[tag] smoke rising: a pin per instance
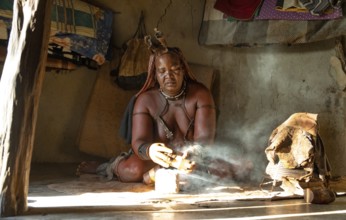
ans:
(238, 159)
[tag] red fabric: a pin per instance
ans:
(238, 9)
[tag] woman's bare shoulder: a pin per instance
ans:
(197, 89)
(147, 95)
(145, 99)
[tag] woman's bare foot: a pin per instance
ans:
(87, 167)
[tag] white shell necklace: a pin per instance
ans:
(176, 97)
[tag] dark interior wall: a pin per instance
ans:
(256, 88)
(63, 101)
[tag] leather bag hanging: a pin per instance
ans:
(133, 66)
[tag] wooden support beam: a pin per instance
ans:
(20, 89)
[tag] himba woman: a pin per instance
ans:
(170, 112)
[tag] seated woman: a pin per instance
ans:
(171, 111)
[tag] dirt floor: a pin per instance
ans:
(55, 192)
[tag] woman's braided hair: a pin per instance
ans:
(158, 47)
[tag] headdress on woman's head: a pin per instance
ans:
(157, 47)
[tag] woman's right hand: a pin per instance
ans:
(159, 153)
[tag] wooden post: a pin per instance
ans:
(20, 89)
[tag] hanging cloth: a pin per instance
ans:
(238, 9)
